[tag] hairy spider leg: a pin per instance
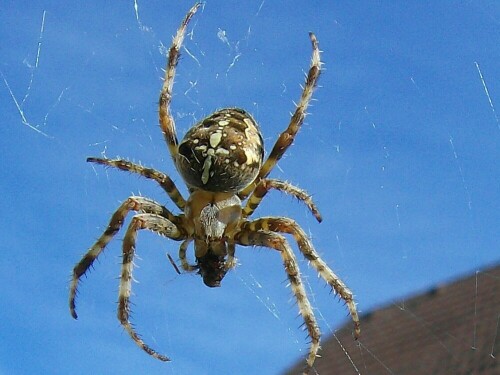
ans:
(162, 179)
(263, 188)
(289, 226)
(231, 261)
(167, 122)
(248, 237)
(182, 256)
(138, 204)
(286, 138)
(155, 223)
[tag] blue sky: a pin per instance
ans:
(400, 152)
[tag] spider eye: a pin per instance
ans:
(221, 153)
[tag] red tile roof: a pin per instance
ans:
(453, 329)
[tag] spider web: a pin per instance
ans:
(400, 153)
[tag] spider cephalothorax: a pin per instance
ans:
(221, 160)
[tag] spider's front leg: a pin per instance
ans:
(138, 204)
(286, 225)
(162, 226)
(248, 237)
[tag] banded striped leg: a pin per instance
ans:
(286, 225)
(263, 188)
(231, 261)
(138, 204)
(186, 266)
(155, 223)
(286, 138)
(182, 256)
(248, 237)
(167, 123)
(162, 179)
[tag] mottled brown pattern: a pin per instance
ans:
(230, 138)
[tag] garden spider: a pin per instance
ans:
(221, 159)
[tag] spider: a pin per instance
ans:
(221, 160)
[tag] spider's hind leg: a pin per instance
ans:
(167, 122)
(286, 138)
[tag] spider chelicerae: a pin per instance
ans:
(221, 160)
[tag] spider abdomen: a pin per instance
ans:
(221, 153)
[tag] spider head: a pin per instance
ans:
(221, 153)
(212, 268)
(211, 261)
